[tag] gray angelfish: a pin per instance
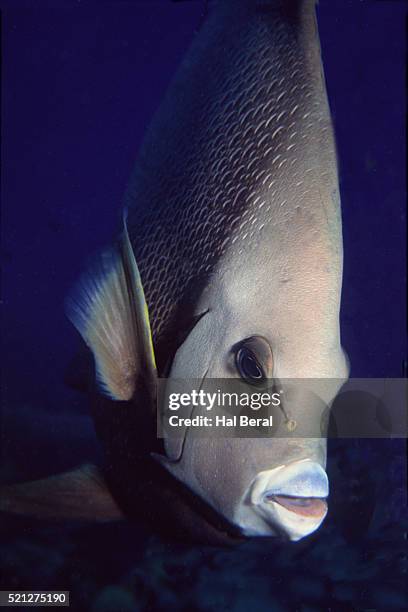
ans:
(233, 217)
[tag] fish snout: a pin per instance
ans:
(290, 499)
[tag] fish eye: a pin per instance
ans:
(254, 360)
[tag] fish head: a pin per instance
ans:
(265, 486)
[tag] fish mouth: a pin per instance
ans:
(293, 497)
(304, 506)
(289, 500)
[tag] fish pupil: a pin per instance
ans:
(248, 366)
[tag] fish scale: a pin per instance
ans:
(220, 135)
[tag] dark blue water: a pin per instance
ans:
(80, 83)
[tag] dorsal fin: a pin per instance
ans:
(110, 312)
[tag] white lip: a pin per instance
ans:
(301, 479)
(265, 516)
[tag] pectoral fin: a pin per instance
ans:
(110, 312)
(81, 494)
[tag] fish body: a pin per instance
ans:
(237, 184)
(238, 165)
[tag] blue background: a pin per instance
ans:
(80, 83)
